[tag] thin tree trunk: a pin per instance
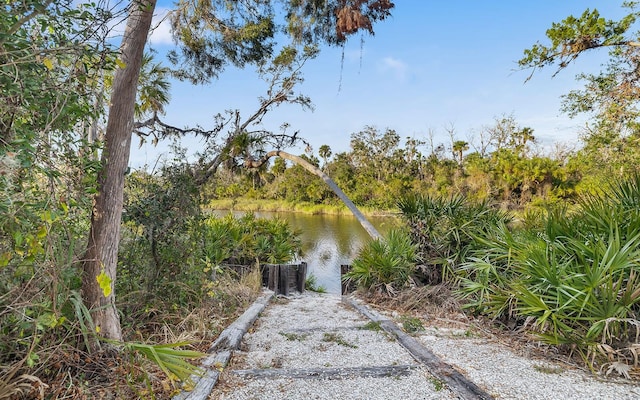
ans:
(371, 230)
(104, 235)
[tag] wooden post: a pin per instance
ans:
(274, 278)
(293, 277)
(302, 276)
(347, 286)
(264, 273)
(284, 279)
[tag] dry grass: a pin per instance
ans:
(66, 372)
(433, 300)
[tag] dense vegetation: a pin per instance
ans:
(172, 286)
(568, 276)
(565, 257)
(572, 275)
(503, 165)
(76, 226)
(544, 244)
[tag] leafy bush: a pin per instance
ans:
(246, 240)
(169, 250)
(386, 264)
(576, 275)
(445, 229)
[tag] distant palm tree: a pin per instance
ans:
(325, 153)
(522, 138)
(460, 146)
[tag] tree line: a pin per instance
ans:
(503, 163)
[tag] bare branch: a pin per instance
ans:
(160, 130)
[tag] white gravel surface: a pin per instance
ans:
(507, 375)
(412, 387)
(304, 334)
(318, 331)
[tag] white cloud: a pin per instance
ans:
(161, 27)
(398, 68)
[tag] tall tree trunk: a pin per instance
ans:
(371, 230)
(104, 235)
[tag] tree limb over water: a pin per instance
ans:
(371, 230)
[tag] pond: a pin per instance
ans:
(328, 241)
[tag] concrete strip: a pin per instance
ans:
(231, 337)
(204, 384)
(441, 370)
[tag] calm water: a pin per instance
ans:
(329, 241)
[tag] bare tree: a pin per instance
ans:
(480, 142)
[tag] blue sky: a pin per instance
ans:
(432, 66)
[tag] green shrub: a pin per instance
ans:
(170, 250)
(386, 263)
(311, 284)
(576, 275)
(247, 239)
(445, 229)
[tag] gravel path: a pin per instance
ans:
(315, 347)
(507, 375)
(317, 331)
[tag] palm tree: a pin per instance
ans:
(459, 146)
(522, 138)
(325, 153)
(153, 88)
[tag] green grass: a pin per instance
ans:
(372, 326)
(282, 206)
(338, 339)
(411, 325)
(311, 284)
(438, 385)
(548, 369)
(294, 336)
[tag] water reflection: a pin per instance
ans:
(328, 241)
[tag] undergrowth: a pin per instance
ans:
(47, 332)
(570, 278)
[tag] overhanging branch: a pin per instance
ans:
(371, 230)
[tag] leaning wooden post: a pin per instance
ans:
(371, 230)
